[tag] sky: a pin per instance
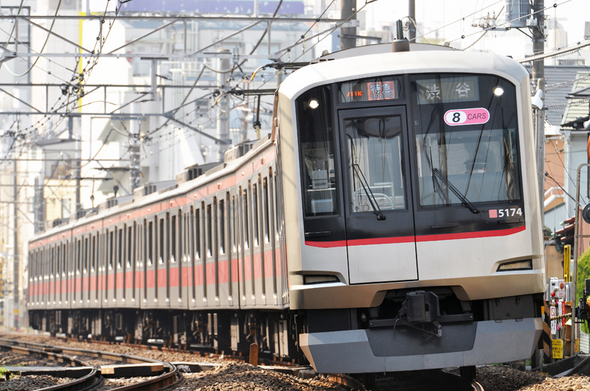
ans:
(454, 18)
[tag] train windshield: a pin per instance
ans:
(374, 146)
(317, 153)
(466, 140)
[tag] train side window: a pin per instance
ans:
(276, 200)
(161, 242)
(230, 231)
(93, 253)
(78, 256)
(317, 140)
(209, 231)
(222, 226)
(52, 273)
(234, 235)
(215, 243)
(266, 209)
(192, 248)
(204, 258)
(58, 261)
(110, 250)
(173, 242)
(185, 235)
(86, 249)
(68, 262)
(246, 222)
(181, 249)
(181, 252)
(150, 243)
(197, 233)
(64, 256)
(129, 246)
(255, 227)
(120, 249)
(146, 256)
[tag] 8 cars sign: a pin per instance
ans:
(462, 117)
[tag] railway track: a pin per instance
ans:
(109, 364)
(85, 375)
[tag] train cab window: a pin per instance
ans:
(374, 161)
(467, 146)
(317, 150)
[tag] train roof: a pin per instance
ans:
(357, 64)
(188, 180)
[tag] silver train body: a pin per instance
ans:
(390, 222)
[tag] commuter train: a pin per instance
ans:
(390, 221)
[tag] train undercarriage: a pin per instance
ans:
(225, 331)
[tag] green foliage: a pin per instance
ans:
(583, 274)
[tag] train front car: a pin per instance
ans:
(416, 241)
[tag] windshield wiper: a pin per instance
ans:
(368, 191)
(464, 201)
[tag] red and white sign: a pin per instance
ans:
(463, 117)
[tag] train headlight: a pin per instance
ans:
(307, 280)
(314, 104)
(498, 91)
(527, 264)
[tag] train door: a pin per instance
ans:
(380, 235)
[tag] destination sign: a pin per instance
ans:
(368, 90)
(448, 90)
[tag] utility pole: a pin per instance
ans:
(134, 157)
(412, 26)
(77, 163)
(223, 67)
(538, 77)
(15, 247)
(348, 34)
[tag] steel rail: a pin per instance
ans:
(86, 382)
(169, 377)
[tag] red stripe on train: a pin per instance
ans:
(410, 239)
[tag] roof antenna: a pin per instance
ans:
(400, 44)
